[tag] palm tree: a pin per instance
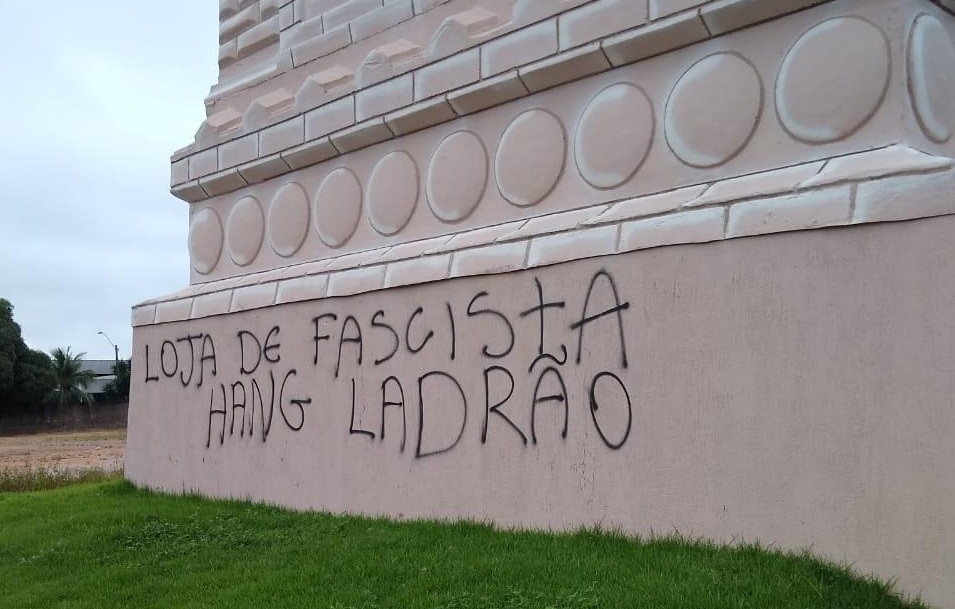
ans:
(71, 379)
(118, 388)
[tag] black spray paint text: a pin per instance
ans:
(377, 353)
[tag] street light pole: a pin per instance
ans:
(115, 348)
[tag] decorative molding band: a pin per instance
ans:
(888, 184)
(697, 116)
(401, 88)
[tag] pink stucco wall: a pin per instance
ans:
(794, 389)
(441, 267)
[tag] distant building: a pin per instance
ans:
(102, 370)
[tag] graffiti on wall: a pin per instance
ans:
(408, 373)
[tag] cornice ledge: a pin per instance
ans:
(887, 184)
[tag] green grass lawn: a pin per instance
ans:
(108, 544)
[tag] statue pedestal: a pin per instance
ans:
(555, 263)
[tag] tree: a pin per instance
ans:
(9, 341)
(118, 388)
(34, 382)
(26, 377)
(71, 379)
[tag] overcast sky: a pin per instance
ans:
(96, 95)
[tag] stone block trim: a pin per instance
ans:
(384, 98)
(215, 303)
(904, 198)
(566, 67)
(248, 27)
(519, 48)
(694, 226)
(576, 39)
(813, 209)
(659, 37)
(447, 74)
(500, 258)
(873, 186)
(730, 15)
(378, 120)
(598, 19)
(618, 135)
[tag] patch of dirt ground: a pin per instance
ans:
(67, 451)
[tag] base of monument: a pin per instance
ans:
(793, 389)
